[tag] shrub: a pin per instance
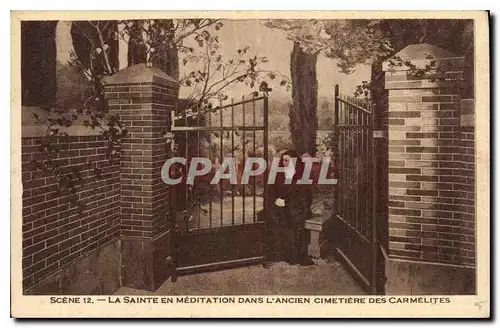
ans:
(73, 88)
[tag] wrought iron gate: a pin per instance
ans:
(219, 226)
(355, 211)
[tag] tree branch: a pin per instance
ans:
(105, 54)
(227, 83)
(181, 37)
(207, 78)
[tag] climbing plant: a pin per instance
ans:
(90, 112)
(433, 71)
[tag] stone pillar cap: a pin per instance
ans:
(140, 73)
(420, 55)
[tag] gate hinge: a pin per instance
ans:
(379, 134)
(168, 135)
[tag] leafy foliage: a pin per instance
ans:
(350, 41)
(72, 86)
(196, 45)
(452, 34)
(214, 76)
(158, 35)
(433, 71)
(354, 42)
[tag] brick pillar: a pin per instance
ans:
(426, 163)
(467, 199)
(143, 98)
(428, 221)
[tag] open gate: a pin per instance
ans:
(355, 208)
(220, 226)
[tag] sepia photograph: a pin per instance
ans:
(296, 159)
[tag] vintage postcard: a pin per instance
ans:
(250, 164)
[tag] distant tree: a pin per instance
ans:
(278, 115)
(38, 63)
(95, 55)
(325, 114)
(73, 88)
(351, 42)
(454, 35)
(159, 41)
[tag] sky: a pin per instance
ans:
(263, 41)
(273, 44)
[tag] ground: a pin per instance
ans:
(327, 277)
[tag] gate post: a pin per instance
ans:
(380, 172)
(428, 226)
(143, 98)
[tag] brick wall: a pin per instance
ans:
(431, 186)
(128, 203)
(54, 233)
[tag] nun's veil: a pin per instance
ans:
(299, 164)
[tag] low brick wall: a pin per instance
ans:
(119, 236)
(55, 234)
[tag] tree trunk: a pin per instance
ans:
(468, 43)
(136, 52)
(81, 31)
(38, 63)
(168, 62)
(379, 97)
(303, 111)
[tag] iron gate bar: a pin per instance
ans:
(345, 100)
(217, 129)
(243, 102)
(222, 159)
(361, 169)
(346, 155)
(351, 127)
(220, 128)
(186, 150)
(346, 158)
(355, 193)
(350, 154)
(351, 122)
(232, 147)
(210, 150)
(193, 113)
(210, 245)
(253, 154)
(222, 265)
(374, 234)
(266, 152)
(349, 160)
(197, 190)
(335, 148)
(356, 141)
